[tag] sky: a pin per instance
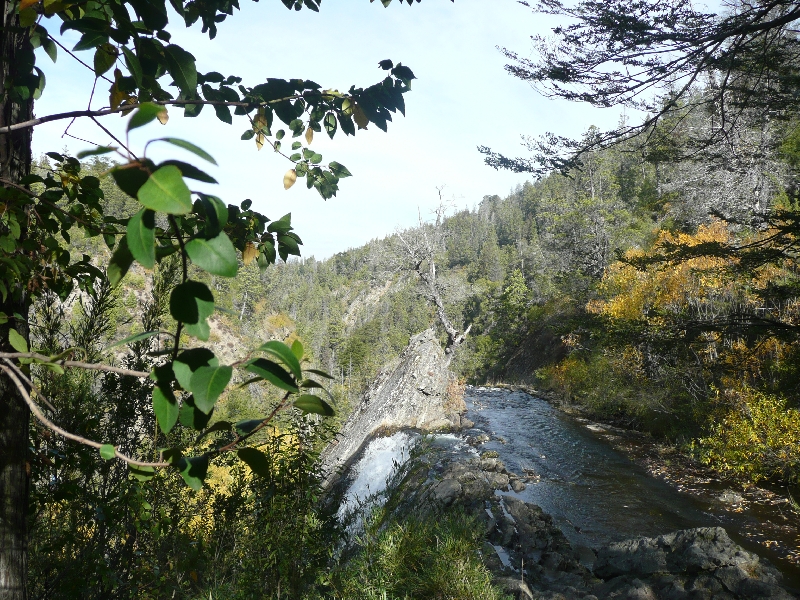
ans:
(462, 98)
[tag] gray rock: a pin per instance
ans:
(702, 563)
(446, 491)
(498, 481)
(411, 392)
(691, 550)
(517, 485)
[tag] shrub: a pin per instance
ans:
(757, 436)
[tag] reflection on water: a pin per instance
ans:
(596, 494)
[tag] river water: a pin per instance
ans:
(597, 495)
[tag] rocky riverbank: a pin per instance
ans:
(531, 558)
(780, 514)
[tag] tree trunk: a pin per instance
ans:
(15, 163)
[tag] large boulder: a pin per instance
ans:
(693, 563)
(411, 392)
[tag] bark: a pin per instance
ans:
(15, 162)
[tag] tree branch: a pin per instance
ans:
(126, 107)
(75, 363)
(13, 373)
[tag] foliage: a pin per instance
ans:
(735, 66)
(434, 557)
(755, 435)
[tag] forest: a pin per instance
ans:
(172, 366)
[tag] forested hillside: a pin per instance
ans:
(653, 290)
(172, 364)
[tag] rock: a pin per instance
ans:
(702, 563)
(409, 393)
(516, 588)
(466, 423)
(446, 491)
(498, 481)
(517, 485)
(730, 497)
(690, 550)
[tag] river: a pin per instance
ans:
(597, 494)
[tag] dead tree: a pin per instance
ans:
(417, 252)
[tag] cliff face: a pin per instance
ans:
(411, 392)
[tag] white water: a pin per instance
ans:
(380, 461)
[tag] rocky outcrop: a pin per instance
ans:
(532, 558)
(702, 563)
(411, 392)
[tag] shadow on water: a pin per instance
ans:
(596, 494)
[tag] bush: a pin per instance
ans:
(757, 436)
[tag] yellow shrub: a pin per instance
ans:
(757, 436)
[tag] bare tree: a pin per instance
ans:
(417, 250)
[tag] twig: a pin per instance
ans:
(79, 60)
(75, 363)
(126, 107)
(12, 371)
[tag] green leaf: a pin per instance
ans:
(90, 39)
(141, 235)
(141, 473)
(146, 113)
(107, 451)
(166, 191)
(284, 354)
(17, 341)
(188, 146)
(192, 303)
(216, 214)
(134, 66)
(207, 384)
(218, 426)
(189, 361)
(256, 460)
(121, 261)
(190, 171)
(165, 407)
(3, 318)
(282, 225)
(181, 65)
(245, 427)
(320, 373)
(193, 470)
(339, 170)
(314, 404)
(330, 124)
(49, 47)
(51, 367)
(216, 256)
(131, 177)
(273, 373)
(136, 337)
(297, 350)
(104, 58)
(193, 417)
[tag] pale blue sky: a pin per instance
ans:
(462, 98)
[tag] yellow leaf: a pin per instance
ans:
(115, 96)
(26, 3)
(289, 179)
(259, 140)
(250, 252)
(309, 136)
(260, 121)
(360, 117)
(163, 116)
